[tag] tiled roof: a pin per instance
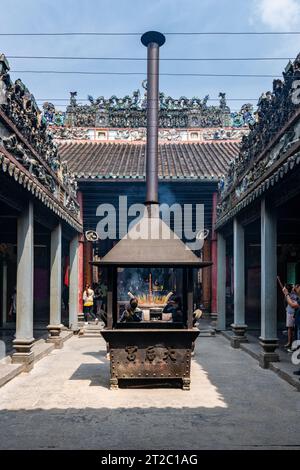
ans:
(127, 160)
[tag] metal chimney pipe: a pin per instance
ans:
(152, 40)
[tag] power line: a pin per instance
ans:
(185, 59)
(145, 74)
(194, 33)
(87, 100)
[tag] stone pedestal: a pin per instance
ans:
(238, 335)
(24, 354)
(268, 353)
(54, 336)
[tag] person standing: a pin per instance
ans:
(290, 317)
(97, 301)
(13, 305)
(88, 303)
(295, 304)
(103, 294)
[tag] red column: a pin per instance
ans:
(87, 259)
(206, 276)
(80, 257)
(214, 256)
(80, 274)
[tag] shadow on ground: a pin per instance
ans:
(233, 404)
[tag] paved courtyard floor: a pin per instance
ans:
(65, 403)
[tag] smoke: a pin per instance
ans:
(166, 196)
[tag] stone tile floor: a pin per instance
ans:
(65, 403)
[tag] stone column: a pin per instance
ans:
(4, 292)
(25, 270)
(214, 258)
(80, 275)
(268, 338)
(73, 285)
(190, 297)
(238, 327)
(221, 283)
(54, 327)
(110, 299)
(87, 267)
(80, 260)
(206, 277)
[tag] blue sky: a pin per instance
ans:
(141, 15)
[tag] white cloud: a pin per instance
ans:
(280, 15)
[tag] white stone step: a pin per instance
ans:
(9, 372)
(66, 334)
(41, 350)
(89, 334)
(90, 331)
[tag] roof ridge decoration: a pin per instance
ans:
(130, 112)
(273, 135)
(23, 178)
(29, 141)
(138, 135)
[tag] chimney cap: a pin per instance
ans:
(153, 36)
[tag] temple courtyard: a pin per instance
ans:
(65, 403)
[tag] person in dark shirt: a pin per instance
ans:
(174, 307)
(132, 313)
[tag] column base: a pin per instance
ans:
(54, 336)
(80, 316)
(268, 353)
(238, 335)
(24, 354)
